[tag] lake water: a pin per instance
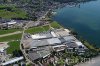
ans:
(84, 18)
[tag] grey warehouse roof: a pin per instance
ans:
(69, 38)
(36, 43)
(33, 55)
(45, 42)
(54, 41)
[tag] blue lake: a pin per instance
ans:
(84, 18)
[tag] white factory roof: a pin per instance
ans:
(42, 35)
(13, 60)
(61, 32)
(12, 22)
(53, 34)
(37, 36)
(58, 46)
(67, 30)
(79, 43)
(1, 50)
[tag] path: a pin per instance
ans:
(17, 32)
(25, 28)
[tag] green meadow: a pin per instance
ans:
(11, 37)
(9, 12)
(14, 45)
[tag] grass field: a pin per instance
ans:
(46, 27)
(55, 25)
(11, 12)
(11, 37)
(35, 30)
(8, 31)
(14, 45)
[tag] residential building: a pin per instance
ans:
(3, 54)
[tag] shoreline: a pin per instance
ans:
(94, 60)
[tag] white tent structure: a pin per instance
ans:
(13, 60)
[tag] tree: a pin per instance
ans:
(17, 53)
